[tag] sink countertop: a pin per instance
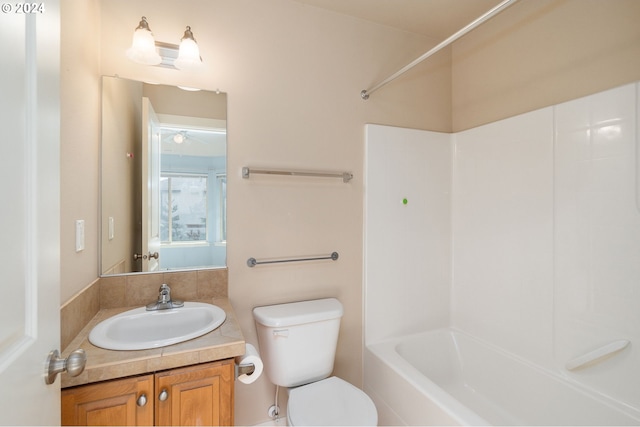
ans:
(224, 342)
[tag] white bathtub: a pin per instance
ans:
(448, 377)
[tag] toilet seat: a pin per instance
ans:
(331, 401)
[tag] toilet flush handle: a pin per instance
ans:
(281, 333)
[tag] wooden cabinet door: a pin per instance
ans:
(109, 403)
(200, 395)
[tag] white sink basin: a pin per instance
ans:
(140, 329)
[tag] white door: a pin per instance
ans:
(29, 212)
(150, 187)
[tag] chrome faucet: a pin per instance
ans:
(164, 300)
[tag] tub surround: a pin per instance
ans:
(541, 226)
(109, 296)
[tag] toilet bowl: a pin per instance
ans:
(330, 402)
(298, 342)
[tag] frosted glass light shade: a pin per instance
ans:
(189, 53)
(143, 47)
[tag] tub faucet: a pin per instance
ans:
(164, 300)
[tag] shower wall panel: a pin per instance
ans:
(597, 239)
(407, 230)
(502, 233)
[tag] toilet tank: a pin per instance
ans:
(298, 340)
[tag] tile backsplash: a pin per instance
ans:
(136, 290)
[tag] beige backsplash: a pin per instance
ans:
(136, 290)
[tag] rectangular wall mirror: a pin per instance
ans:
(163, 178)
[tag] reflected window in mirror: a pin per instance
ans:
(183, 208)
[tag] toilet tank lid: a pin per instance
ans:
(297, 313)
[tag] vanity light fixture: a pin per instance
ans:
(145, 50)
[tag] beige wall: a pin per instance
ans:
(79, 136)
(293, 75)
(543, 52)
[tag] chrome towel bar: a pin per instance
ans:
(346, 176)
(252, 262)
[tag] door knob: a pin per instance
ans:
(72, 365)
(139, 256)
(155, 255)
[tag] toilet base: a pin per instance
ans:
(328, 402)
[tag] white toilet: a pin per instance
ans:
(297, 344)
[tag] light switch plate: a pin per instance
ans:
(112, 232)
(79, 235)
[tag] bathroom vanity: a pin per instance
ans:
(182, 384)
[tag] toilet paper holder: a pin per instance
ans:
(245, 369)
(249, 366)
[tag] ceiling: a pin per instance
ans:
(433, 18)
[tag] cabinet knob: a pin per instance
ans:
(164, 395)
(142, 400)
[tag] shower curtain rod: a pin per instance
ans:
(497, 9)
